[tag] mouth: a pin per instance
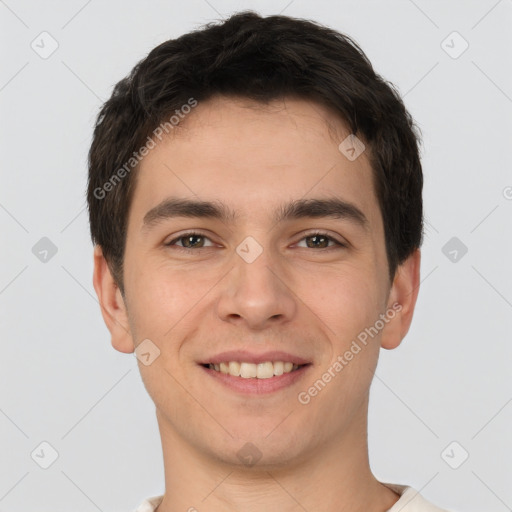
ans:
(247, 378)
(246, 370)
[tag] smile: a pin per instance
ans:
(265, 370)
(255, 378)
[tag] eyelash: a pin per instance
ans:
(308, 235)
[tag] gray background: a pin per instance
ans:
(63, 383)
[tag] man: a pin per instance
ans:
(255, 204)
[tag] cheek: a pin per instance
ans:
(159, 306)
(167, 299)
(347, 300)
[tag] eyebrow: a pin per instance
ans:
(301, 208)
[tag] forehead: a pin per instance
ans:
(254, 157)
(222, 122)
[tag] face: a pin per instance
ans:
(266, 282)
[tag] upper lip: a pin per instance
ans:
(251, 357)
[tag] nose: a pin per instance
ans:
(258, 294)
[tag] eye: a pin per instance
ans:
(189, 241)
(319, 239)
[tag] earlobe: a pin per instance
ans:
(113, 308)
(402, 300)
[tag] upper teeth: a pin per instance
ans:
(261, 371)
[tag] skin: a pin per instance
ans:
(306, 300)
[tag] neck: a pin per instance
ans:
(335, 477)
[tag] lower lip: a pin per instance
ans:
(258, 386)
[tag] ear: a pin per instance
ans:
(402, 300)
(112, 304)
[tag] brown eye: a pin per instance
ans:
(189, 241)
(321, 241)
(318, 241)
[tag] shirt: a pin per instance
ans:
(410, 501)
